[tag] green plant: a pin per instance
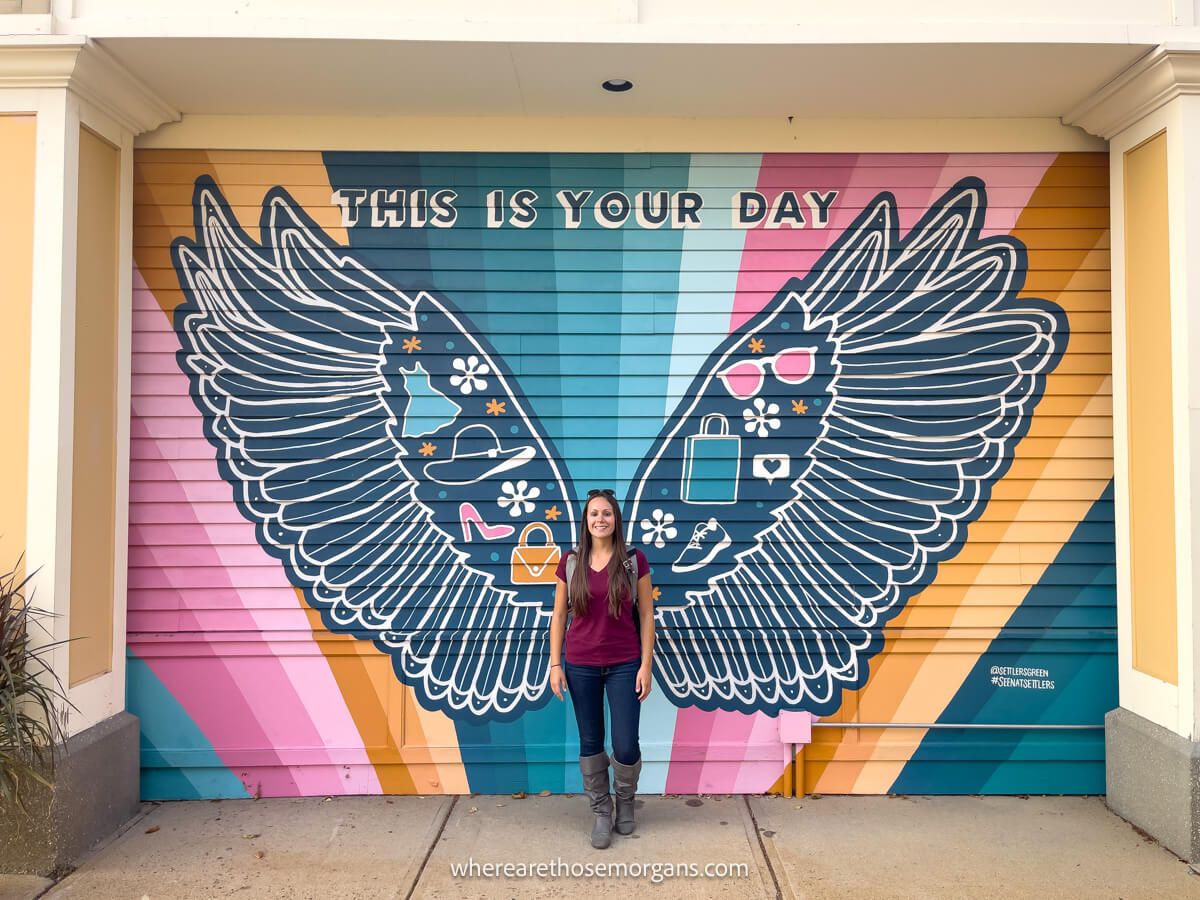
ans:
(32, 699)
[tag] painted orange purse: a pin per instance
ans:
(535, 563)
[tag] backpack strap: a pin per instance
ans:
(572, 561)
(631, 569)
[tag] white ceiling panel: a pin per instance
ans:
(218, 76)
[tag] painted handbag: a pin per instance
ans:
(711, 461)
(535, 563)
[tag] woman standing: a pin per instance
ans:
(609, 649)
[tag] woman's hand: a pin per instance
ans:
(643, 681)
(558, 681)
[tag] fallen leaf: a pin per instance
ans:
(544, 794)
(251, 837)
(260, 854)
(499, 804)
(519, 795)
(473, 809)
(152, 829)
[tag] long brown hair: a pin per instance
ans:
(578, 594)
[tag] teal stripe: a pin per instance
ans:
(166, 729)
(474, 265)
(588, 261)
(682, 323)
(702, 291)
(1068, 629)
(645, 312)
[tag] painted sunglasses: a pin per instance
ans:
(793, 365)
(596, 492)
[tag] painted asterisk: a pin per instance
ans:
(798, 407)
(427, 449)
(410, 344)
(756, 345)
(495, 407)
(553, 513)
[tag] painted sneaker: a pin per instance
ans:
(708, 539)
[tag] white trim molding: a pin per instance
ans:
(88, 71)
(1167, 72)
(1173, 706)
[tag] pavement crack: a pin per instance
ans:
(432, 846)
(779, 895)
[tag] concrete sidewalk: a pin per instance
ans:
(831, 847)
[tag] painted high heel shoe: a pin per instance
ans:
(468, 515)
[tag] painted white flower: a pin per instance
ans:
(761, 417)
(518, 499)
(659, 528)
(472, 371)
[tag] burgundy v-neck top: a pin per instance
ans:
(596, 638)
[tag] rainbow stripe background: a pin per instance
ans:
(241, 691)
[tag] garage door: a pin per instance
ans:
(856, 408)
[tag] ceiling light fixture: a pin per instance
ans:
(617, 85)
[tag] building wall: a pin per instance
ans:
(18, 143)
(1151, 472)
(919, 509)
(94, 467)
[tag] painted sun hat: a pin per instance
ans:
(476, 454)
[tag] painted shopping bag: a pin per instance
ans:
(535, 563)
(711, 462)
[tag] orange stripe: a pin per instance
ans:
(422, 757)
(915, 677)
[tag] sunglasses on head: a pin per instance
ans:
(596, 492)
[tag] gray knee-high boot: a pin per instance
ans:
(625, 779)
(595, 785)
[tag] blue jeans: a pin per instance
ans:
(587, 686)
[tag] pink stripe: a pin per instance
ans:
(283, 696)
(1009, 186)
(731, 733)
(759, 278)
(754, 779)
(916, 180)
(232, 699)
(693, 730)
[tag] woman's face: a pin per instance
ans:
(599, 517)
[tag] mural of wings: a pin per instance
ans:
(829, 454)
(832, 451)
(362, 430)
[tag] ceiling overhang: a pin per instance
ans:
(330, 77)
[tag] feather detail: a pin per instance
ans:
(294, 354)
(928, 370)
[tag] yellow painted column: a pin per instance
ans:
(1150, 469)
(18, 135)
(1151, 116)
(94, 446)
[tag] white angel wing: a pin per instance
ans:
(350, 420)
(832, 452)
